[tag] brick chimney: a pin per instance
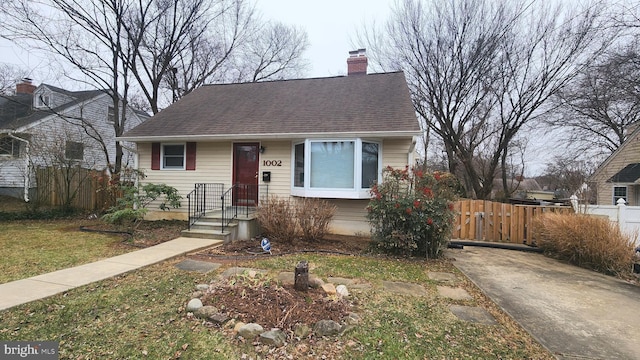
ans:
(25, 87)
(357, 62)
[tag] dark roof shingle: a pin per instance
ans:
(366, 103)
(629, 174)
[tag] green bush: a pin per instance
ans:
(131, 208)
(411, 212)
(586, 241)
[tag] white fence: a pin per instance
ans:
(627, 217)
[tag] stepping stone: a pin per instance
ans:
(473, 314)
(199, 266)
(234, 271)
(443, 277)
(453, 293)
(403, 288)
(340, 281)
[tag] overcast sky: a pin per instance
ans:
(330, 25)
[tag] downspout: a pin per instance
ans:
(27, 173)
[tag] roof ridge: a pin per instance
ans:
(303, 79)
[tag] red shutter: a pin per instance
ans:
(191, 156)
(155, 156)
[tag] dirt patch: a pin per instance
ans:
(274, 306)
(11, 204)
(147, 233)
(248, 249)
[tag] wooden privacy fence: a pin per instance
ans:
(76, 187)
(497, 222)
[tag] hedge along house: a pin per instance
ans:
(234, 144)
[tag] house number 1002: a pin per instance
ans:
(272, 163)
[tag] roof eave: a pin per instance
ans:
(273, 136)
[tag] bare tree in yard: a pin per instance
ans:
(185, 40)
(89, 35)
(480, 72)
(602, 106)
(10, 75)
(273, 52)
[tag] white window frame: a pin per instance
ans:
(184, 156)
(356, 192)
(625, 197)
(42, 100)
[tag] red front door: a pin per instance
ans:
(245, 173)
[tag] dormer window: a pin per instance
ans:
(42, 100)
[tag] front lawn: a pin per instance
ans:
(141, 315)
(34, 247)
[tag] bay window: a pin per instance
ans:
(344, 168)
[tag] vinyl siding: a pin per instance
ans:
(628, 154)
(214, 164)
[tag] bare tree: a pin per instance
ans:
(10, 75)
(482, 71)
(600, 108)
(89, 35)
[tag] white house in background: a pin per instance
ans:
(618, 177)
(324, 138)
(41, 125)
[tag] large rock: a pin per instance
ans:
(327, 328)
(329, 289)
(273, 337)
(205, 312)
(315, 282)
(301, 331)
(193, 305)
(342, 291)
(250, 331)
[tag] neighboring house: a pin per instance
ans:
(43, 126)
(321, 138)
(619, 175)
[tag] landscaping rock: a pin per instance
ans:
(250, 331)
(193, 305)
(234, 271)
(219, 318)
(197, 294)
(327, 328)
(302, 331)
(315, 282)
(238, 325)
(342, 291)
(199, 266)
(286, 277)
(352, 319)
(403, 288)
(273, 337)
(329, 289)
(202, 287)
(442, 277)
(205, 312)
(340, 281)
(473, 314)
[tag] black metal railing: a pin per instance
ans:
(204, 197)
(241, 199)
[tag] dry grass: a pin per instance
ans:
(586, 241)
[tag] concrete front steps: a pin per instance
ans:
(244, 227)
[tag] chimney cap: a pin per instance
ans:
(27, 80)
(356, 53)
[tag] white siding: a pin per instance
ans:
(48, 138)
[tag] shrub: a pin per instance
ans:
(131, 208)
(586, 241)
(314, 216)
(411, 212)
(277, 218)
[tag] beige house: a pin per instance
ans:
(233, 144)
(619, 175)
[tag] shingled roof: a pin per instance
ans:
(369, 105)
(630, 174)
(16, 111)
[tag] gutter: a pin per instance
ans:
(27, 182)
(269, 136)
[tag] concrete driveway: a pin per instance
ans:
(573, 312)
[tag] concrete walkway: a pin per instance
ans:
(573, 312)
(38, 287)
